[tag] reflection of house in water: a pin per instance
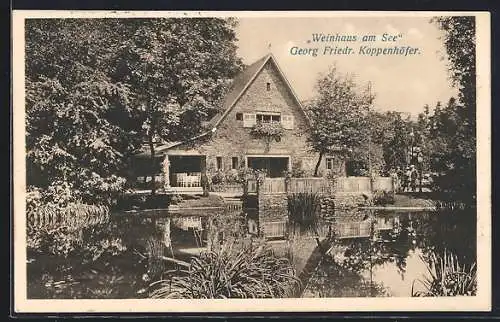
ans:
(365, 228)
(386, 223)
(189, 234)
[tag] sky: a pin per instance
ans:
(400, 83)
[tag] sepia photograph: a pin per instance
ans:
(173, 160)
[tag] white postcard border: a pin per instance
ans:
(481, 302)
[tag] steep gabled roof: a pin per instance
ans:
(238, 88)
(243, 81)
(240, 83)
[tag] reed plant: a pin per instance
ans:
(447, 277)
(231, 271)
(303, 211)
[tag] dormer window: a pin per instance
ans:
(268, 86)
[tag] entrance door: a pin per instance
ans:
(274, 166)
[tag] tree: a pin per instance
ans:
(178, 80)
(454, 126)
(77, 137)
(338, 113)
(392, 133)
(96, 88)
(460, 43)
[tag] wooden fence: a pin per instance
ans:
(272, 185)
(293, 185)
(312, 185)
(251, 186)
(320, 185)
(352, 184)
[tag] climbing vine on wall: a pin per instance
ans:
(268, 132)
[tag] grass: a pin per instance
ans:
(407, 200)
(197, 201)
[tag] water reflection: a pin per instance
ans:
(383, 253)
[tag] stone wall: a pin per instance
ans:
(272, 207)
(350, 200)
(327, 206)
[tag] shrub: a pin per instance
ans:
(176, 199)
(233, 177)
(383, 197)
(295, 173)
(447, 277)
(232, 271)
(218, 177)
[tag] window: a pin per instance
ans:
(239, 116)
(329, 163)
(268, 117)
(219, 163)
(268, 86)
(234, 163)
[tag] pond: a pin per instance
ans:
(388, 261)
(393, 259)
(118, 261)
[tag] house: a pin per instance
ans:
(260, 96)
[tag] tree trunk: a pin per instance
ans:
(318, 242)
(153, 164)
(317, 164)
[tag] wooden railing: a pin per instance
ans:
(352, 184)
(312, 185)
(320, 185)
(234, 205)
(272, 185)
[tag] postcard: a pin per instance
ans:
(211, 161)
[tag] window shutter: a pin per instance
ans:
(249, 119)
(287, 122)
